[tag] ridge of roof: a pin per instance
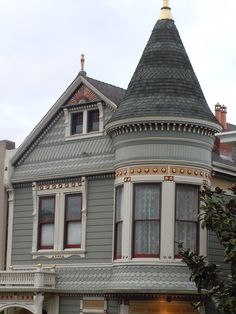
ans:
(164, 82)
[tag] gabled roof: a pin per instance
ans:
(108, 93)
(164, 83)
(114, 93)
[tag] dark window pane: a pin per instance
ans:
(73, 207)
(46, 210)
(118, 240)
(118, 221)
(93, 120)
(77, 123)
(119, 202)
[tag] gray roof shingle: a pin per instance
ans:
(112, 92)
(164, 82)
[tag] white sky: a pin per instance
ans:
(41, 42)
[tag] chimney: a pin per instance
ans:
(223, 117)
(221, 113)
(218, 112)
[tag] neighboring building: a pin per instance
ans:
(103, 187)
(5, 146)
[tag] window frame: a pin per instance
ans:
(59, 191)
(135, 220)
(196, 222)
(67, 221)
(85, 109)
(73, 123)
(116, 223)
(40, 223)
(90, 120)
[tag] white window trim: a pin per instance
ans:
(82, 310)
(167, 218)
(58, 251)
(85, 133)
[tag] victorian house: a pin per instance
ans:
(103, 187)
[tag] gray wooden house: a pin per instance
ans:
(104, 186)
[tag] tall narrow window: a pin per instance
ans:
(146, 220)
(93, 120)
(186, 216)
(118, 221)
(77, 123)
(46, 222)
(72, 235)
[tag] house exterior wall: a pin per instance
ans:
(4, 146)
(99, 229)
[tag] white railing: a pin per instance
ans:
(34, 278)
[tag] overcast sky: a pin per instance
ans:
(41, 42)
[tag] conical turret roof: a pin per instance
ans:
(164, 83)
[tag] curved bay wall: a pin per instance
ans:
(163, 147)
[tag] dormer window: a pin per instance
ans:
(93, 121)
(77, 123)
(86, 121)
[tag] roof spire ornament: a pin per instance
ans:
(82, 61)
(166, 11)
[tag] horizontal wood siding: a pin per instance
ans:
(216, 252)
(22, 227)
(69, 305)
(100, 221)
(98, 231)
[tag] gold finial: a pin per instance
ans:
(82, 60)
(166, 11)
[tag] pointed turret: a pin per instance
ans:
(164, 84)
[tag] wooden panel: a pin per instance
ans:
(69, 305)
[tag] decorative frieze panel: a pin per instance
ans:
(58, 186)
(161, 126)
(169, 172)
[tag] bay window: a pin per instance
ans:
(146, 220)
(152, 213)
(186, 216)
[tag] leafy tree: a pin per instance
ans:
(218, 214)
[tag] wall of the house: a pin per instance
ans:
(215, 249)
(4, 146)
(98, 231)
(52, 156)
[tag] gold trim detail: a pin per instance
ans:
(167, 171)
(58, 186)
